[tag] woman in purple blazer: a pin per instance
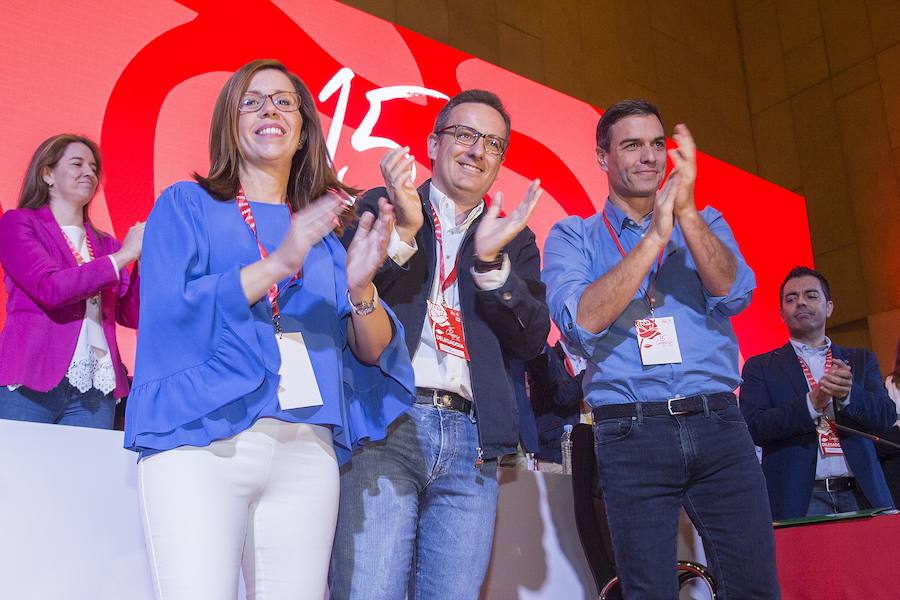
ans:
(67, 287)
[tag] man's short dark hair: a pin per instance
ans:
(620, 110)
(475, 96)
(803, 272)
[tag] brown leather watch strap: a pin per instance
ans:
(484, 266)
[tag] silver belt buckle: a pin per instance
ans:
(443, 400)
(828, 481)
(669, 406)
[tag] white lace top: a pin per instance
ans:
(91, 364)
(894, 393)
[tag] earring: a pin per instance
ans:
(50, 184)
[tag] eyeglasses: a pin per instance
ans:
(284, 101)
(466, 136)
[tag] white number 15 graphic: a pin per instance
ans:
(362, 139)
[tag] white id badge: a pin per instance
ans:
(658, 341)
(297, 387)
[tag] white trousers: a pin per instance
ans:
(264, 501)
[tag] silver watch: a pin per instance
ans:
(364, 308)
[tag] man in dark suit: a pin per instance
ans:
(417, 511)
(792, 399)
(555, 396)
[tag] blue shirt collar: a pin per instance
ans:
(804, 350)
(618, 219)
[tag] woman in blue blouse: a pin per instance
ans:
(264, 356)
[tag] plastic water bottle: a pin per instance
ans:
(565, 445)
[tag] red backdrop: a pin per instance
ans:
(143, 83)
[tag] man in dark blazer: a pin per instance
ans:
(792, 398)
(417, 511)
(556, 396)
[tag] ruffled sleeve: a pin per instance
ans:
(374, 395)
(197, 347)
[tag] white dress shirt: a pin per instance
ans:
(433, 368)
(894, 393)
(832, 465)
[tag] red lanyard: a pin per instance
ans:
(570, 368)
(247, 214)
(809, 378)
(648, 295)
(77, 253)
(447, 281)
(79, 260)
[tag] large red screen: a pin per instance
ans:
(141, 77)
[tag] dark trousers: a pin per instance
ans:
(649, 467)
(890, 462)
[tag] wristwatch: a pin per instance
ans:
(364, 308)
(484, 266)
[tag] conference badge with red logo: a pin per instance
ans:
(829, 442)
(446, 325)
(658, 341)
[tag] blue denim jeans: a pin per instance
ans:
(828, 503)
(649, 467)
(416, 514)
(63, 405)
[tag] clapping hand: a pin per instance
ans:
(836, 383)
(368, 249)
(684, 157)
(663, 218)
(495, 232)
(131, 245)
(308, 227)
(397, 169)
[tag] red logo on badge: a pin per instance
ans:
(647, 328)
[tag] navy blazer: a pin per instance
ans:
(555, 399)
(773, 401)
(510, 322)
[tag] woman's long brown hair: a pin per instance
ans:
(311, 172)
(35, 192)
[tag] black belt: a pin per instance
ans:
(443, 399)
(675, 406)
(835, 484)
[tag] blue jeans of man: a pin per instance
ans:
(649, 467)
(828, 503)
(63, 405)
(416, 513)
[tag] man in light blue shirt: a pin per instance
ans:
(644, 291)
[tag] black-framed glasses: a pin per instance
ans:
(284, 101)
(466, 136)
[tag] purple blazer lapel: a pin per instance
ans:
(55, 233)
(97, 245)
